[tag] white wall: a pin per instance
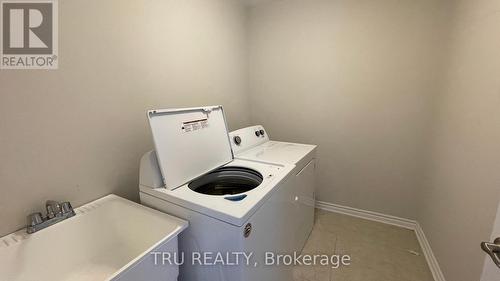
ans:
(462, 189)
(77, 133)
(358, 79)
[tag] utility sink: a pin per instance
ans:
(108, 239)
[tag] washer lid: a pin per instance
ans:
(189, 142)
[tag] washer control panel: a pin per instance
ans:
(247, 138)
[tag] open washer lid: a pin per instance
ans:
(189, 142)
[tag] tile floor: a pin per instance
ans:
(378, 252)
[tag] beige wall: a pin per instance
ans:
(78, 133)
(357, 78)
(462, 190)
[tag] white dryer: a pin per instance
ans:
(232, 205)
(253, 144)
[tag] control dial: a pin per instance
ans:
(237, 140)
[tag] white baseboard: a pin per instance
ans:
(369, 215)
(392, 220)
(429, 254)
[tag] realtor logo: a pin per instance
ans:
(29, 34)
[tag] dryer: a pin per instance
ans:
(232, 205)
(253, 144)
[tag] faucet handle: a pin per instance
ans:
(66, 208)
(33, 220)
(53, 208)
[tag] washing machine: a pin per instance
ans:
(232, 205)
(253, 144)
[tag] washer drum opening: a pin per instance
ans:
(227, 181)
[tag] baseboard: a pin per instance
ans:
(368, 215)
(429, 254)
(392, 220)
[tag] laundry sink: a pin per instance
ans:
(108, 239)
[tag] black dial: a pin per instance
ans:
(237, 140)
(261, 132)
(257, 133)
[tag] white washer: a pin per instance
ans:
(252, 143)
(232, 205)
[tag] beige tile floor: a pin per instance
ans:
(378, 252)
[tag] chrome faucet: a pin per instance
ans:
(56, 212)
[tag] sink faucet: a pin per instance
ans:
(53, 208)
(56, 212)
